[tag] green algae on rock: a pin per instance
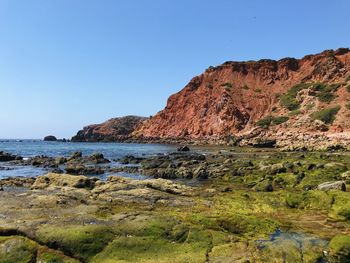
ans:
(219, 219)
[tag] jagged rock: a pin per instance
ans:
(183, 149)
(81, 169)
(43, 161)
(98, 158)
(130, 159)
(6, 157)
(17, 181)
(75, 155)
(60, 160)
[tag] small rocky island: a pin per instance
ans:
(50, 138)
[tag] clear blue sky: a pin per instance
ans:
(68, 63)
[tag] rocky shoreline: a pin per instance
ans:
(222, 206)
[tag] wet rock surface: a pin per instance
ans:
(253, 206)
(5, 157)
(75, 164)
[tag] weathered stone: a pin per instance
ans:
(81, 169)
(338, 185)
(346, 177)
(5, 157)
(274, 168)
(63, 180)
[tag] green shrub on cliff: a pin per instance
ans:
(265, 122)
(279, 120)
(326, 115)
(325, 92)
(271, 120)
(226, 85)
(289, 101)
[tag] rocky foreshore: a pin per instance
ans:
(221, 206)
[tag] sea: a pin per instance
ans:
(113, 151)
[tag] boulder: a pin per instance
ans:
(63, 180)
(263, 186)
(6, 157)
(183, 149)
(346, 177)
(81, 169)
(50, 138)
(60, 160)
(97, 158)
(43, 161)
(338, 185)
(276, 168)
(75, 155)
(335, 165)
(130, 159)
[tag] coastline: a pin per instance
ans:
(223, 205)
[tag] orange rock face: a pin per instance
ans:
(231, 98)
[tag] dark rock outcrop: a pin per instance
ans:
(116, 129)
(6, 157)
(50, 138)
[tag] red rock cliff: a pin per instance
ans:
(232, 98)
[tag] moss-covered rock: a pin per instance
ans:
(313, 199)
(341, 205)
(264, 186)
(82, 242)
(17, 249)
(339, 249)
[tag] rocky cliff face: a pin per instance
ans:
(116, 129)
(260, 98)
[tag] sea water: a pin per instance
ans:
(31, 148)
